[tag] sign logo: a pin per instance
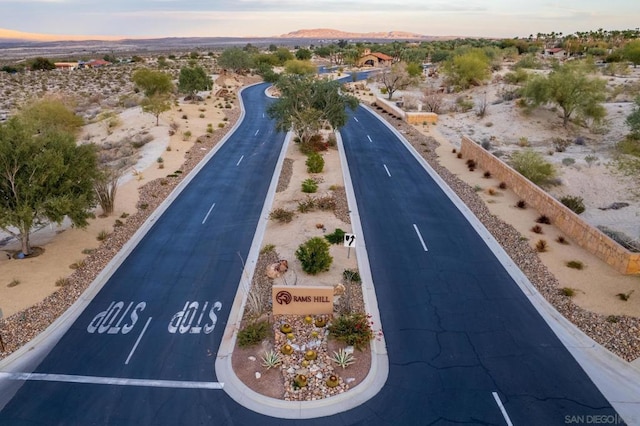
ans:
(283, 297)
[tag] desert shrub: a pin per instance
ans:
(352, 329)
(560, 145)
(624, 296)
(629, 146)
(281, 215)
(521, 204)
(574, 203)
(352, 275)
(487, 174)
(309, 186)
(537, 229)
(314, 255)
(533, 166)
(544, 219)
(502, 185)
(562, 240)
(253, 333)
(314, 144)
(463, 104)
(336, 237)
(568, 161)
(541, 246)
(307, 205)
(331, 140)
(575, 264)
(314, 163)
(268, 248)
(516, 77)
(326, 203)
(102, 235)
(529, 61)
(568, 291)
(62, 282)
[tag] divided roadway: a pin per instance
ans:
(464, 344)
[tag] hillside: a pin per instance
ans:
(327, 33)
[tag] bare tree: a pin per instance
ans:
(396, 78)
(106, 187)
(482, 106)
(433, 99)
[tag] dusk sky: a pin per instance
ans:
(219, 18)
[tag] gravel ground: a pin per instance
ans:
(619, 334)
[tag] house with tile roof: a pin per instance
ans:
(374, 59)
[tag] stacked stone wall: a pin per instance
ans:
(585, 235)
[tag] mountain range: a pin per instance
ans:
(318, 34)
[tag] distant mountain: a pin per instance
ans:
(327, 33)
(23, 36)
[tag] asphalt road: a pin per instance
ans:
(464, 344)
(462, 338)
(160, 317)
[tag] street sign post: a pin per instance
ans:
(349, 241)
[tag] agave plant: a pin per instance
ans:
(271, 359)
(343, 358)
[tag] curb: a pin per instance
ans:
(379, 371)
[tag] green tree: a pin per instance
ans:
(235, 59)
(314, 256)
(283, 54)
(42, 64)
(43, 178)
(192, 80)
(396, 78)
(303, 54)
(156, 105)
(152, 82)
(570, 88)
(631, 52)
(633, 120)
(414, 69)
(295, 66)
(51, 115)
(468, 69)
(307, 104)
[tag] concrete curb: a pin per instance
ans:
(379, 371)
(618, 380)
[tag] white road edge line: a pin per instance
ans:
(369, 137)
(208, 213)
(239, 161)
(256, 133)
(68, 378)
(502, 409)
(424, 246)
(388, 172)
(137, 341)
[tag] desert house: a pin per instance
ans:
(555, 52)
(374, 59)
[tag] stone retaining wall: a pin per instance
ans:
(410, 117)
(563, 218)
